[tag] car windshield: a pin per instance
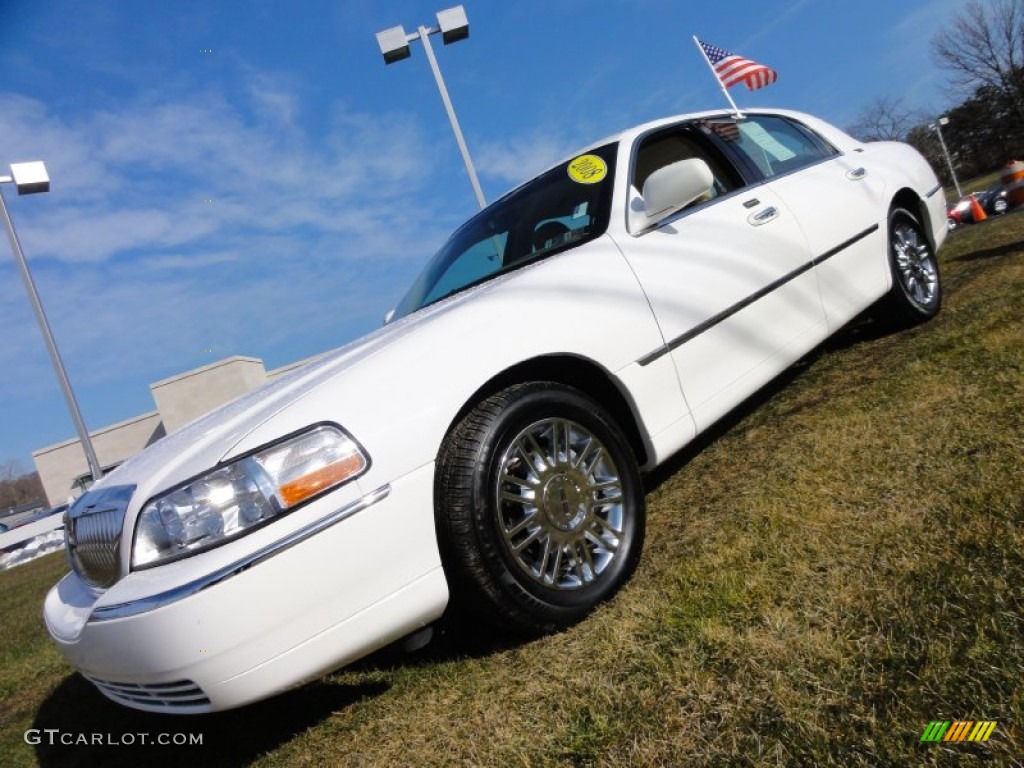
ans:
(554, 212)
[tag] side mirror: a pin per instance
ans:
(388, 316)
(670, 188)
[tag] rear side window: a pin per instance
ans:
(775, 145)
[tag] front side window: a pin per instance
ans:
(683, 143)
(776, 145)
(560, 209)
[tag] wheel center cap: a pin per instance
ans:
(564, 502)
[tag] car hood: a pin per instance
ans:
(202, 443)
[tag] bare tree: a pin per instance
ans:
(884, 119)
(984, 46)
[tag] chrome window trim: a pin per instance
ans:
(152, 602)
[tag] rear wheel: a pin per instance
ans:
(916, 292)
(539, 506)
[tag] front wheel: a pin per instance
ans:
(539, 508)
(916, 292)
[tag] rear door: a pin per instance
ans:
(838, 200)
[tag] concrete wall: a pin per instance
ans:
(271, 375)
(59, 464)
(189, 395)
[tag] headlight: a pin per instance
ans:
(245, 494)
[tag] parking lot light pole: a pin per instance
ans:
(30, 178)
(452, 26)
(937, 127)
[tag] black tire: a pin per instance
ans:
(999, 206)
(916, 292)
(535, 568)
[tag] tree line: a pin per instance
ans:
(982, 50)
(18, 487)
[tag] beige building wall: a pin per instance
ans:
(179, 399)
(277, 372)
(58, 465)
(189, 395)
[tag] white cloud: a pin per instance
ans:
(306, 240)
(515, 159)
(777, 19)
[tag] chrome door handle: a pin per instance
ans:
(764, 216)
(857, 174)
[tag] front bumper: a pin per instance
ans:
(279, 618)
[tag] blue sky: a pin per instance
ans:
(249, 178)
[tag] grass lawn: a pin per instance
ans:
(837, 566)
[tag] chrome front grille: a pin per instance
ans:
(93, 528)
(181, 695)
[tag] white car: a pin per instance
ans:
(485, 446)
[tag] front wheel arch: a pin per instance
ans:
(909, 200)
(579, 373)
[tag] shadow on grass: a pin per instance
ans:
(665, 471)
(456, 635)
(990, 253)
(864, 328)
(83, 717)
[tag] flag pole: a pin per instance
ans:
(736, 110)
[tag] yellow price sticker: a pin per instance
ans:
(587, 169)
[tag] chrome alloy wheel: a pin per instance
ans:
(560, 504)
(915, 264)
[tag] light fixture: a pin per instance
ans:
(29, 179)
(453, 26)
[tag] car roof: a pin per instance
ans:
(628, 134)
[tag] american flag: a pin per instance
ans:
(725, 129)
(732, 69)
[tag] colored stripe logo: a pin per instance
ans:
(958, 730)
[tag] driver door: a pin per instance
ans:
(728, 278)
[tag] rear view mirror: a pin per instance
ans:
(670, 188)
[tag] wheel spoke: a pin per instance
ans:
(605, 544)
(539, 452)
(608, 526)
(519, 482)
(561, 443)
(522, 524)
(534, 535)
(528, 461)
(588, 561)
(608, 501)
(591, 445)
(543, 569)
(578, 564)
(556, 569)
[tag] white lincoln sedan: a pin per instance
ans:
(485, 446)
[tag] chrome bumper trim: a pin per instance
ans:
(152, 602)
